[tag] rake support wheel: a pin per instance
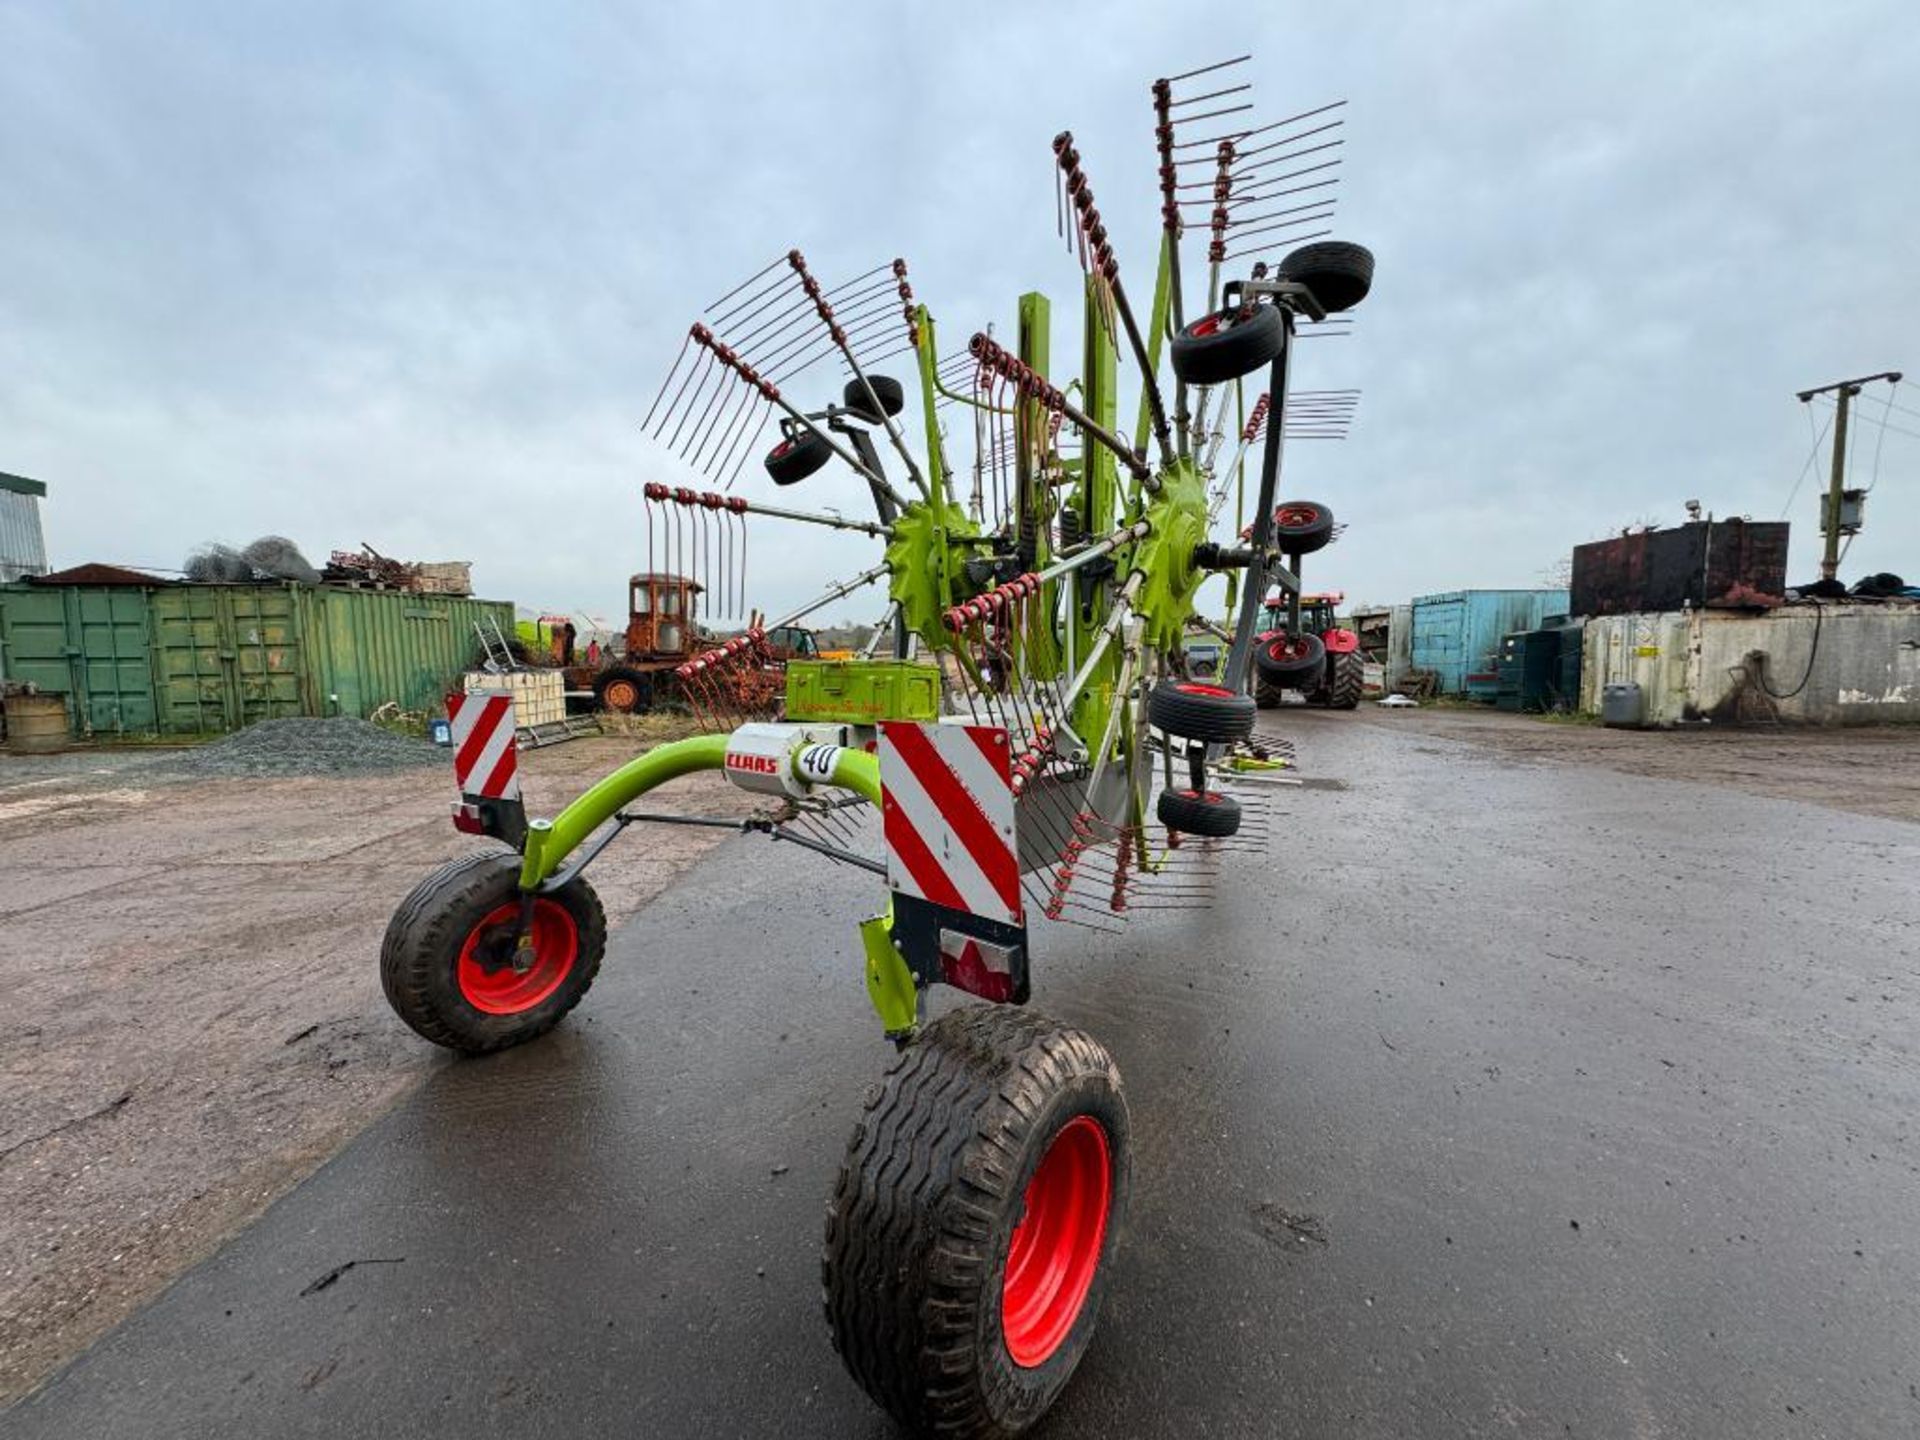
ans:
(1195, 710)
(799, 454)
(1291, 662)
(1300, 527)
(1228, 344)
(452, 971)
(1338, 272)
(1198, 812)
(890, 393)
(975, 1218)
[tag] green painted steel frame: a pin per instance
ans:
(549, 842)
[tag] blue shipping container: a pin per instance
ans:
(1458, 634)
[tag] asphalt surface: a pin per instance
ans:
(1492, 1099)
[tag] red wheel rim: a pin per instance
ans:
(623, 695)
(1288, 649)
(1296, 517)
(1055, 1250)
(782, 448)
(1190, 687)
(1208, 326)
(556, 945)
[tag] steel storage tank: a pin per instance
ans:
(1623, 706)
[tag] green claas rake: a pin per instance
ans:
(1021, 747)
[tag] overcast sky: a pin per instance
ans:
(410, 274)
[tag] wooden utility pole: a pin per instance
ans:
(1830, 557)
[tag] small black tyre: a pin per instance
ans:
(624, 691)
(799, 454)
(1291, 662)
(1347, 681)
(1338, 272)
(1301, 527)
(449, 963)
(975, 1219)
(1199, 812)
(1228, 344)
(1196, 710)
(892, 396)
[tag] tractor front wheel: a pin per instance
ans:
(453, 966)
(975, 1220)
(624, 691)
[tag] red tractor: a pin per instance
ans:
(1307, 652)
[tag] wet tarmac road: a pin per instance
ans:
(1497, 1100)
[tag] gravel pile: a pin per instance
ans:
(304, 746)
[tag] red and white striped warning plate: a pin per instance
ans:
(484, 759)
(948, 817)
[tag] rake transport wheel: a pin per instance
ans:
(1195, 710)
(451, 968)
(975, 1219)
(623, 690)
(1197, 812)
(1228, 344)
(1348, 681)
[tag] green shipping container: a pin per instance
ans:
(194, 659)
(225, 656)
(89, 644)
(366, 647)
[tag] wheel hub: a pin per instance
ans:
(1055, 1249)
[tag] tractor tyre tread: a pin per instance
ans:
(1347, 682)
(927, 1198)
(423, 941)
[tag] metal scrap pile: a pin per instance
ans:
(367, 566)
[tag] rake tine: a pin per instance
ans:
(1209, 69)
(748, 303)
(768, 269)
(1210, 95)
(664, 384)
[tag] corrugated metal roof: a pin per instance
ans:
(97, 574)
(23, 550)
(21, 485)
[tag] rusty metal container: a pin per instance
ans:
(36, 724)
(1706, 564)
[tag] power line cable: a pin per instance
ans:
(1871, 420)
(1813, 454)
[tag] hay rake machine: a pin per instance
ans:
(1020, 747)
